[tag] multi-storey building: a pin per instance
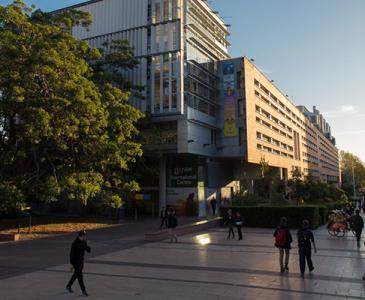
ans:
(218, 117)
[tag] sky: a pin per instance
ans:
(314, 50)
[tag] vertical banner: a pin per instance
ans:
(229, 100)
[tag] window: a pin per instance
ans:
(241, 136)
(240, 107)
(174, 93)
(158, 37)
(166, 10)
(166, 36)
(166, 94)
(157, 94)
(174, 9)
(157, 13)
(174, 35)
(203, 107)
(213, 136)
(239, 80)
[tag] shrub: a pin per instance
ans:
(268, 216)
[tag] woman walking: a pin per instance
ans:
(171, 224)
(283, 240)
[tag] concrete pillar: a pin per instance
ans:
(202, 200)
(162, 183)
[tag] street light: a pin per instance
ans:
(353, 181)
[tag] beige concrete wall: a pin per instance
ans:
(314, 151)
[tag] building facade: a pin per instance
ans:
(217, 117)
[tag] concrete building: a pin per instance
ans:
(217, 117)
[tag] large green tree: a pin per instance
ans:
(352, 164)
(65, 123)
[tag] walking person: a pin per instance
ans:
(283, 240)
(305, 241)
(78, 248)
(239, 223)
(172, 224)
(163, 217)
(230, 221)
(357, 224)
(213, 204)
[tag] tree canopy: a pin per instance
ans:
(65, 122)
(351, 162)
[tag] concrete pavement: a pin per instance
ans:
(203, 266)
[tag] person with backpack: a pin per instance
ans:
(78, 248)
(305, 241)
(357, 224)
(283, 240)
(230, 221)
(239, 223)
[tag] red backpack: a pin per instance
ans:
(280, 238)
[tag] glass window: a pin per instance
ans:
(174, 35)
(157, 13)
(158, 37)
(166, 36)
(174, 9)
(203, 107)
(157, 94)
(240, 107)
(166, 10)
(166, 94)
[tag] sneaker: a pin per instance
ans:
(286, 268)
(85, 294)
(311, 270)
(282, 270)
(363, 278)
(69, 289)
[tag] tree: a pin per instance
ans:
(264, 166)
(62, 128)
(350, 163)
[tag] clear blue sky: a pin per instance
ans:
(313, 49)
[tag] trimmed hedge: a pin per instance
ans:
(269, 216)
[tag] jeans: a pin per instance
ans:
(77, 275)
(358, 235)
(305, 254)
(230, 232)
(239, 231)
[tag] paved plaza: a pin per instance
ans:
(200, 266)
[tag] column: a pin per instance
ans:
(162, 183)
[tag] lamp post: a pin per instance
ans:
(353, 181)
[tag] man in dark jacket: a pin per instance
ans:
(78, 248)
(230, 221)
(357, 224)
(305, 241)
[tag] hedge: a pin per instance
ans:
(269, 216)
